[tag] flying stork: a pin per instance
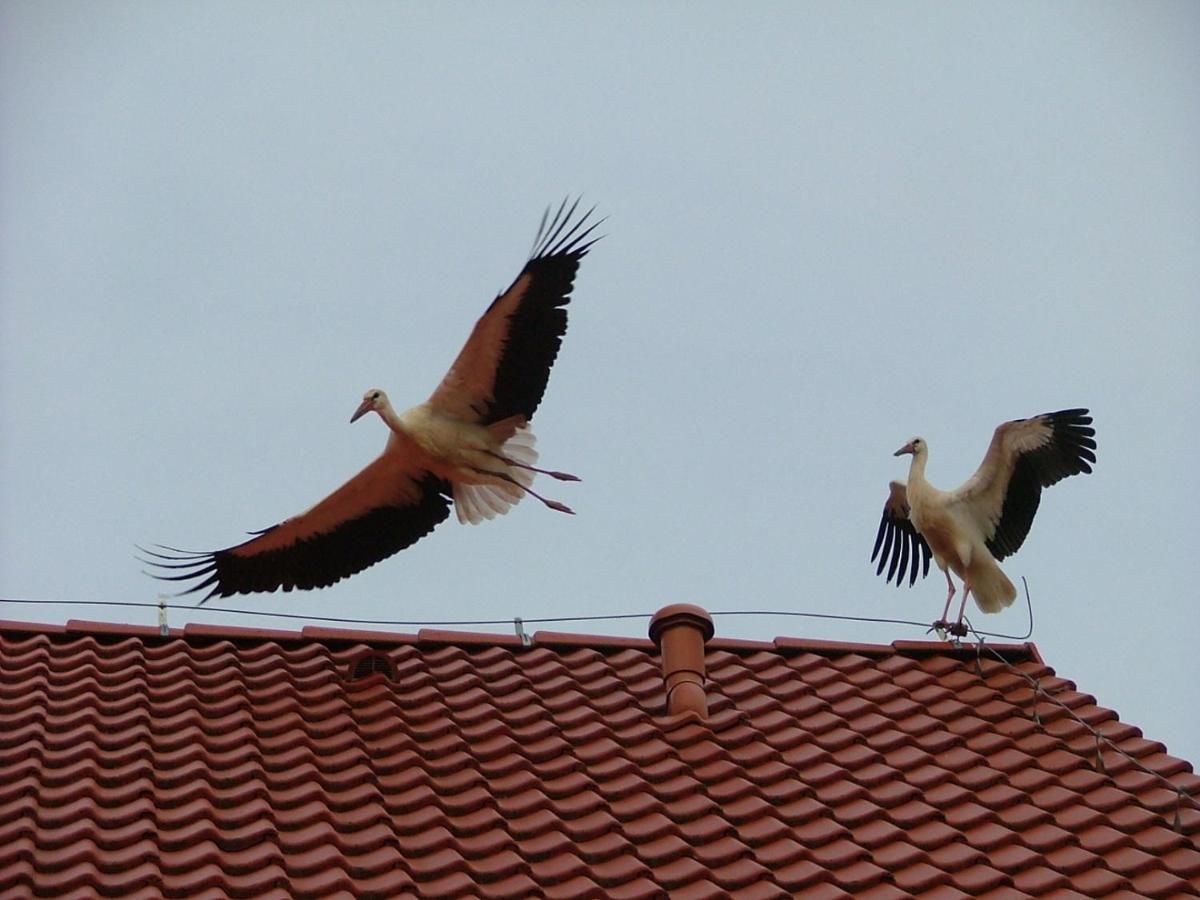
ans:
(969, 530)
(470, 442)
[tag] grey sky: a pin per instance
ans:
(831, 227)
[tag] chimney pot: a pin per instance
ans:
(681, 631)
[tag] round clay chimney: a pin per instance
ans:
(681, 630)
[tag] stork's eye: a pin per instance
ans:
(375, 395)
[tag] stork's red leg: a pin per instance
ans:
(949, 596)
(561, 476)
(504, 476)
(958, 629)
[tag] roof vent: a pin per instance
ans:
(681, 630)
(372, 662)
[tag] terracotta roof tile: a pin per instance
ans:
(650, 826)
(603, 847)
(1101, 839)
(764, 831)
(913, 813)
(679, 872)
(578, 886)
(857, 812)
(1072, 860)
(967, 815)
(1189, 820)
(1130, 861)
(740, 873)
(1078, 817)
(892, 791)
(932, 834)
(1098, 882)
(1157, 883)
(802, 875)
(859, 875)
(1041, 880)
(638, 889)
(899, 854)
(664, 849)
(919, 877)
(1047, 837)
(710, 828)
(955, 856)
(218, 761)
(825, 891)
(1023, 815)
(882, 892)
(763, 890)
(979, 878)
(1159, 840)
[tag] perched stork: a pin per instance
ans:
(469, 441)
(970, 529)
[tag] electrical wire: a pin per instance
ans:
(450, 623)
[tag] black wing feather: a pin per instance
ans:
(537, 327)
(1070, 451)
(313, 562)
(900, 548)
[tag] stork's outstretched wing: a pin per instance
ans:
(904, 551)
(503, 368)
(1025, 456)
(386, 507)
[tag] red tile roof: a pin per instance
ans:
(235, 762)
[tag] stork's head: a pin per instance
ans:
(373, 400)
(915, 446)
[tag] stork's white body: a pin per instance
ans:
(968, 531)
(490, 466)
(956, 538)
(448, 447)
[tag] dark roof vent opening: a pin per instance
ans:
(372, 662)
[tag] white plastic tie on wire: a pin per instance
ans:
(519, 628)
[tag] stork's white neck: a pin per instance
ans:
(916, 469)
(393, 421)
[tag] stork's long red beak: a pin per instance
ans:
(907, 448)
(363, 408)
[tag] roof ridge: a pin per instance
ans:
(1026, 651)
